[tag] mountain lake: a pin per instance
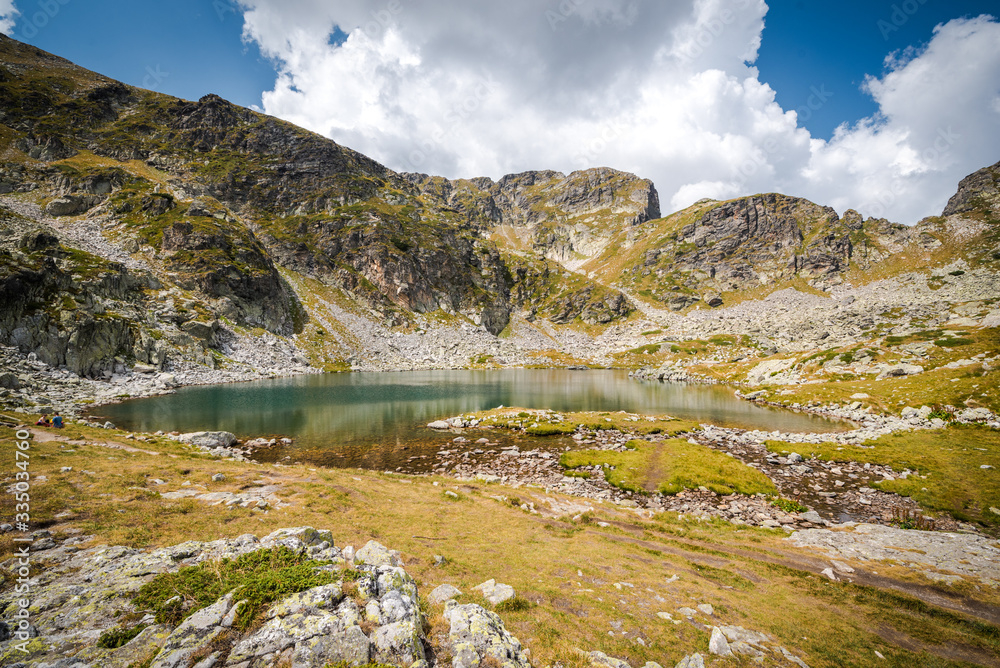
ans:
(378, 420)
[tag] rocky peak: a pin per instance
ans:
(976, 191)
(530, 198)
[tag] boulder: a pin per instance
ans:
(67, 205)
(87, 589)
(477, 635)
(718, 644)
(197, 631)
(203, 331)
(9, 381)
(693, 661)
(376, 554)
(439, 424)
(209, 439)
(897, 370)
(602, 660)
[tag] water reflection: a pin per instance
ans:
(354, 412)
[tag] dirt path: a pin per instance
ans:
(657, 470)
(45, 436)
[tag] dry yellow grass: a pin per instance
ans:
(591, 586)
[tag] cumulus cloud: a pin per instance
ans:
(666, 90)
(8, 14)
(938, 122)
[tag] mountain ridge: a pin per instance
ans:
(238, 222)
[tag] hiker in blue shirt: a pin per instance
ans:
(57, 421)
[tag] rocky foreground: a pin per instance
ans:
(82, 613)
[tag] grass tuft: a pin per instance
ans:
(259, 578)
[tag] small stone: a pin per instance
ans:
(218, 477)
(707, 609)
(495, 592)
(828, 572)
(442, 593)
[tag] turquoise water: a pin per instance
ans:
(374, 419)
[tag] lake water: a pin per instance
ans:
(378, 420)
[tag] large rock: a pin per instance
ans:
(692, 661)
(10, 381)
(198, 630)
(309, 629)
(69, 205)
(477, 635)
(602, 660)
(376, 554)
(898, 370)
(209, 439)
(718, 644)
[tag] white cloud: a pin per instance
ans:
(8, 14)
(666, 90)
(938, 122)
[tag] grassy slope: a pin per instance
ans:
(567, 569)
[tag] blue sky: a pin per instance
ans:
(832, 46)
(662, 89)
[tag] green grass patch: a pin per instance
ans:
(260, 578)
(926, 335)
(953, 342)
(788, 505)
(119, 636)
(514, 604)
(670, 467)
(948, 463)
(551, 429)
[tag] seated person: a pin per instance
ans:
(43, 421)
(57, 421)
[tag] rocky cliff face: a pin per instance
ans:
(67, 307)
(213, 199)
(205, 214)
(977, 192)
(565, 218)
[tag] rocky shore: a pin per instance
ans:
(834, 492)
